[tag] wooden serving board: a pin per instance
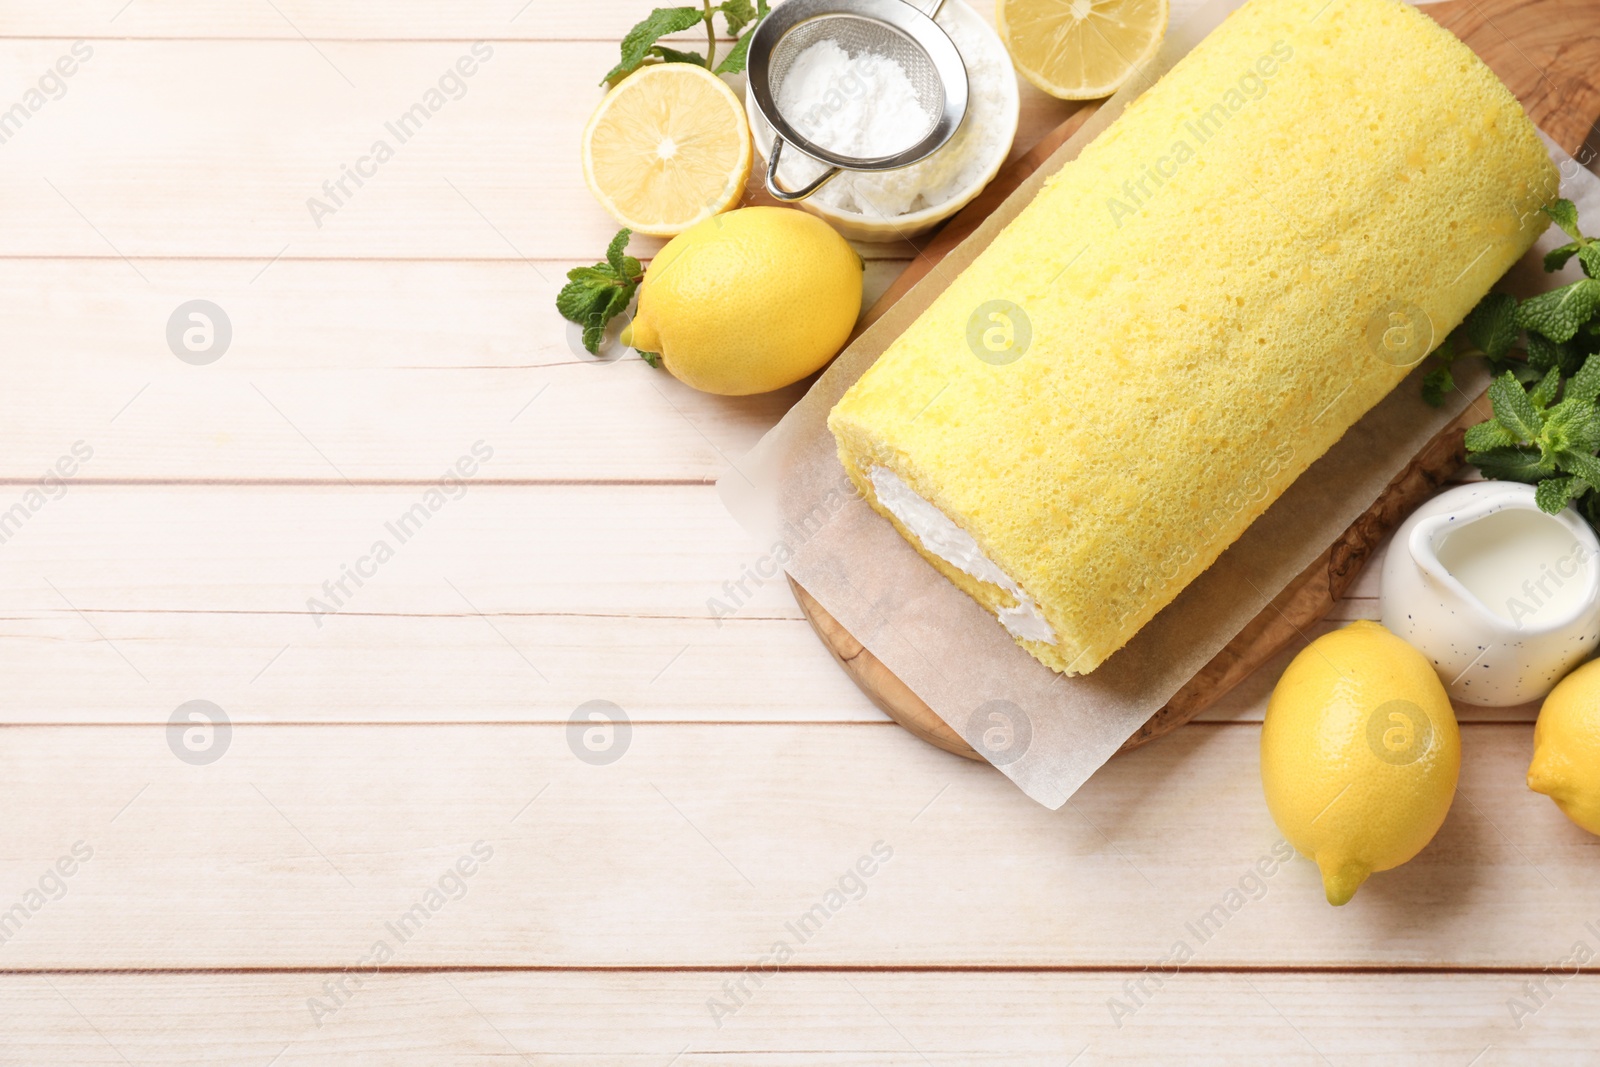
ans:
(1548, 53)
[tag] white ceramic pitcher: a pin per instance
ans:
(1503, 599)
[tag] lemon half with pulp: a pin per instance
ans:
(666, 148)
(1080, 49)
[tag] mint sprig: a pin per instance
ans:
(641, 45)
(1533, 438)
(1561, 327)
(593, 296)
(1546, 396)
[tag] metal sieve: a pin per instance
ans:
(890, 29)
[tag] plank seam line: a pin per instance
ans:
(370, 483)
(938, 968)
(427, 614)
(136, 724)
(232, 39)
(579, 260)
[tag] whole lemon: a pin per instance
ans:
(1359, 754)
(1566, 747)
(749, 301)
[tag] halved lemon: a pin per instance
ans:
(666, 148)
(1080, 49)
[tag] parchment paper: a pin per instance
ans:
(1046, 731)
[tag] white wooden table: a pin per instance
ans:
(390, 853)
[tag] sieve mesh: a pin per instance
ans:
(861, 37)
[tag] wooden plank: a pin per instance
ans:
(574, 550)
(360, 668)
(124, 601)
(145, 155)
(303, 842)
(120, 602)
(277, 667)
(873, 1019)
(384, 372)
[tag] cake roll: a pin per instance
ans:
(1192, 311)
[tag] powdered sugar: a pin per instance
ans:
(862, 106)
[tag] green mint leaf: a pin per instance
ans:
(620, 297)
(586, 287)
(1515, 464)
(1488, 435)
(1513, 409)
(577, 300)
(1589, 256)
(1544, 353)
(1553, 494)
(593, 334)
(1436, 385)
(734, 62)
(1492, 325)
(738, 13)
(1571, 424)
(672, 55)
(1565, 214)
(600, 274)
(738, 55)
(608, 304)
(1585, 432)
(1559, 313)
(1557, 258)
(615, 250)
(1585, 385)
(652, 358)
(1544, 394)
(658, 24)
(1582, 464)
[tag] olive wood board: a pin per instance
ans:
(1547, 52)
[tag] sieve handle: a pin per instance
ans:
(931, 10)
(786, 195)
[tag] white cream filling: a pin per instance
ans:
(942, 537)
